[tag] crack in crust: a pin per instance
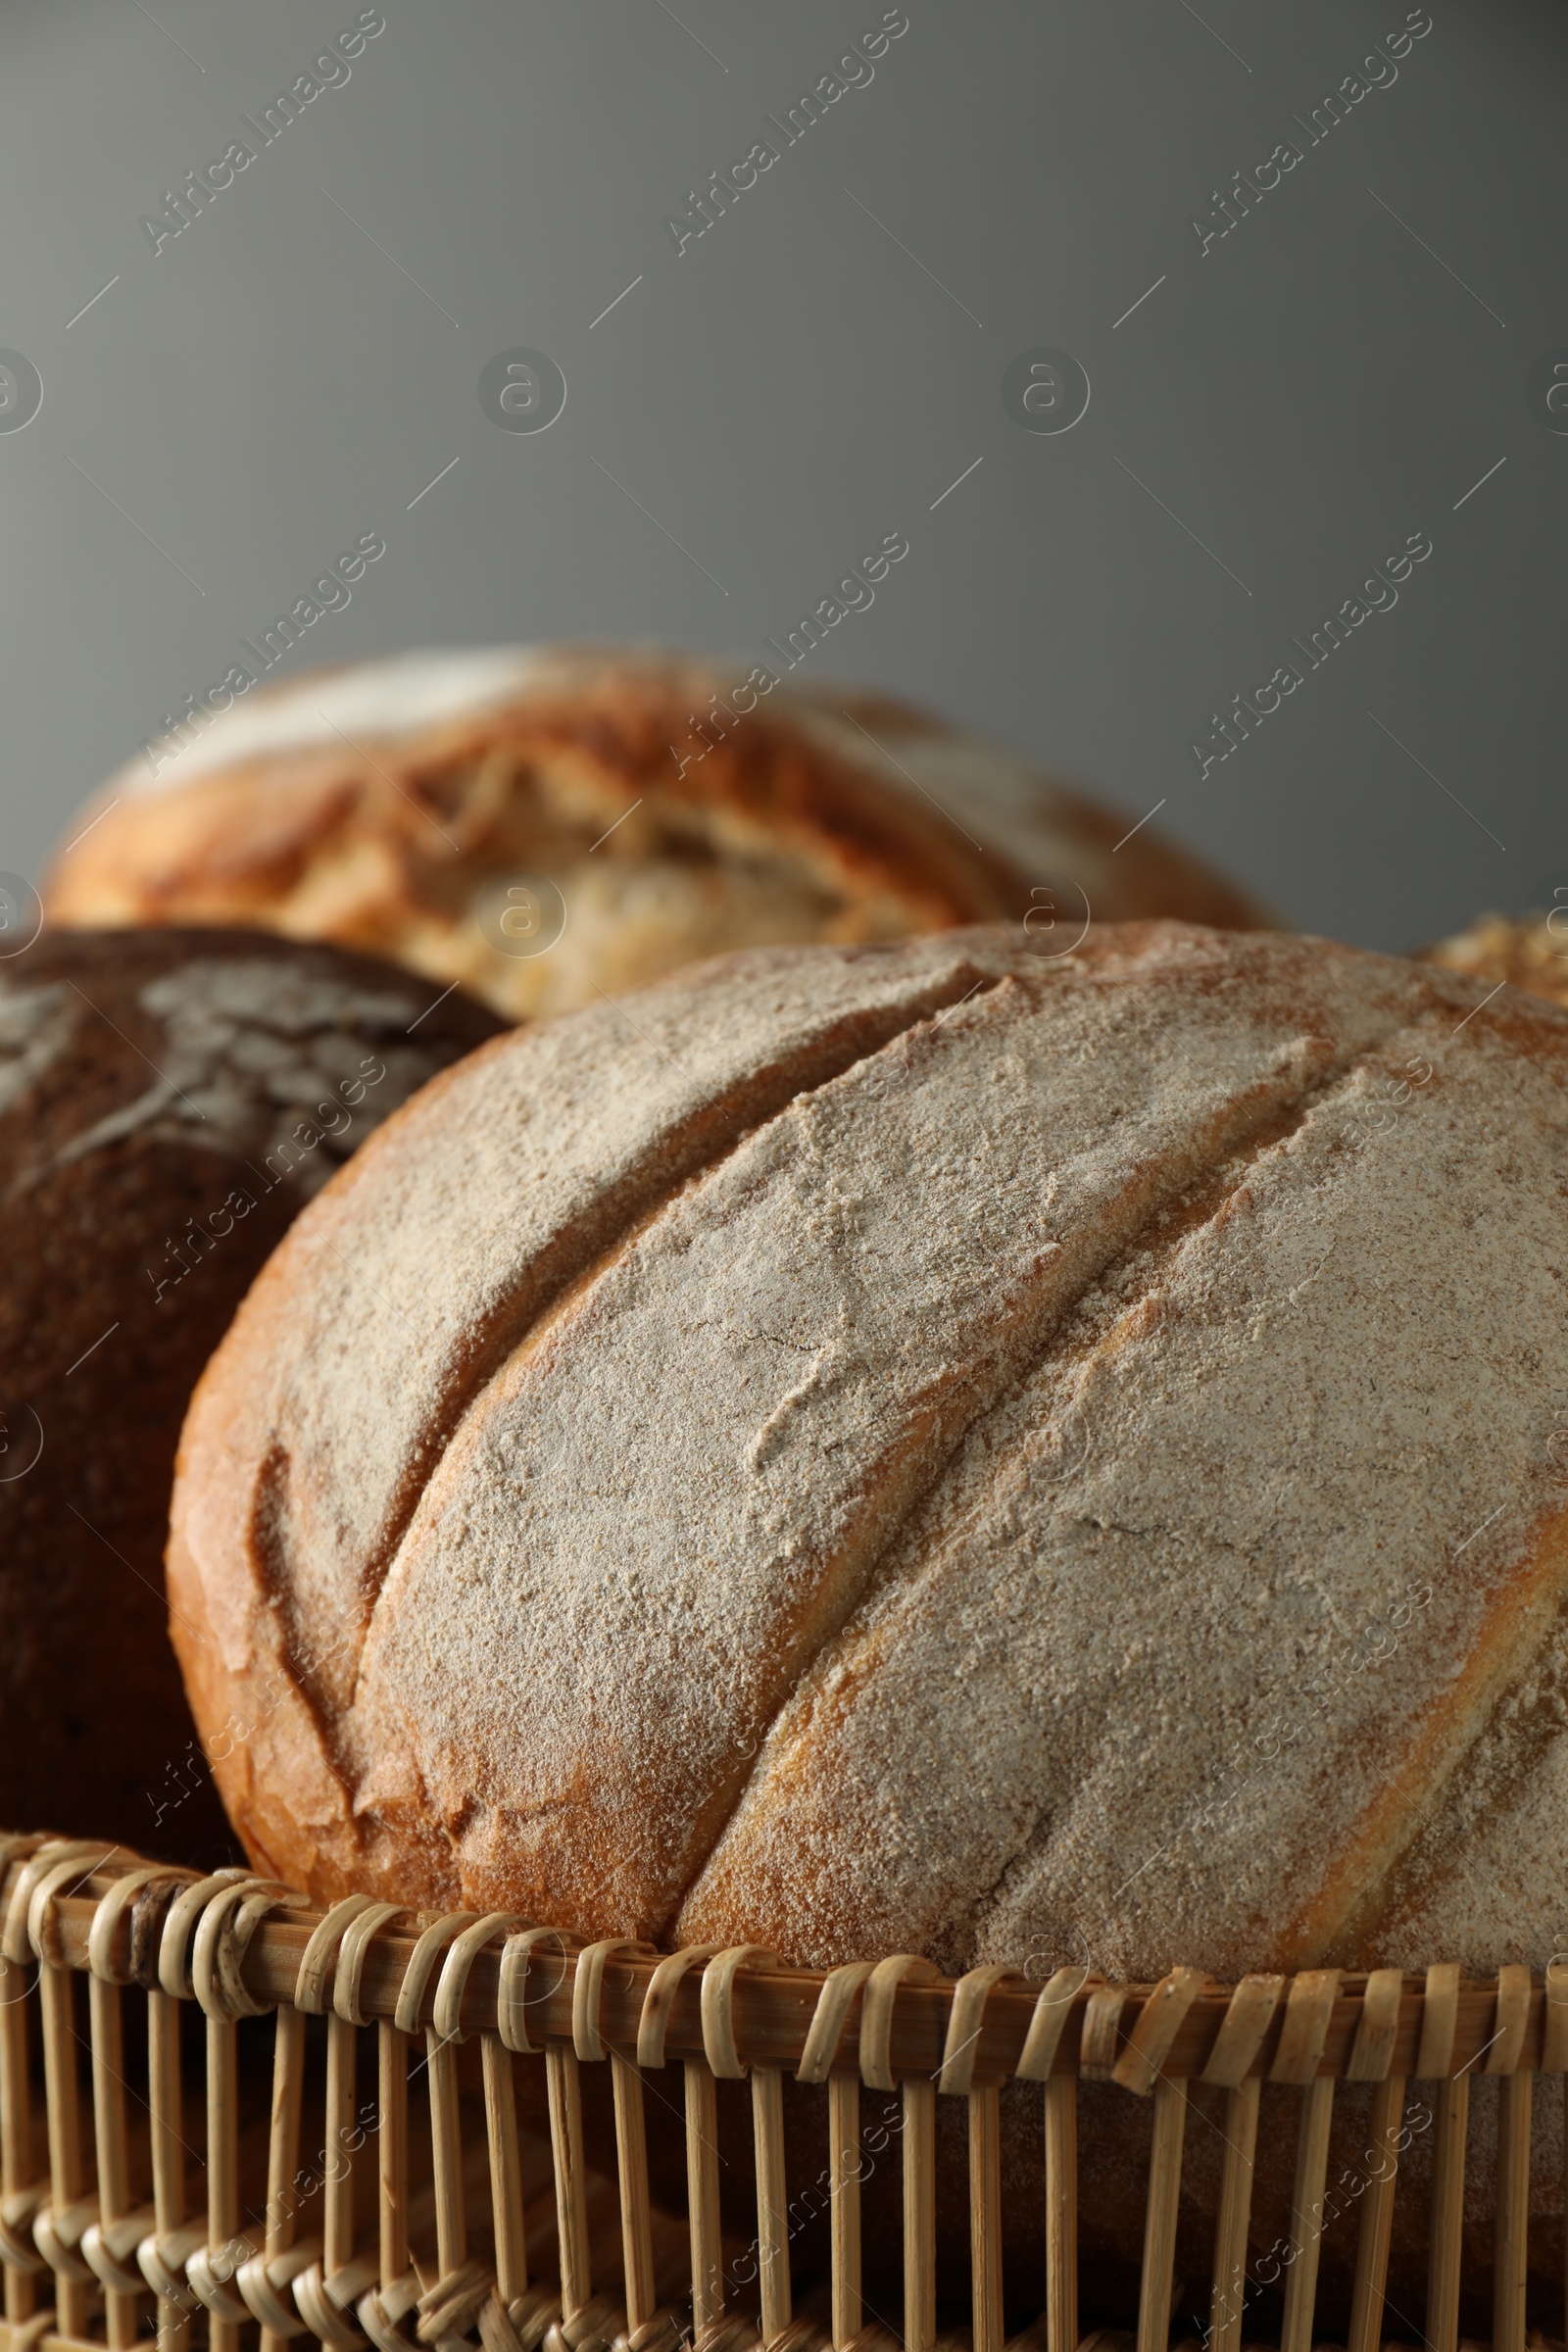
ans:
(1201, 1203)
(565, 1272)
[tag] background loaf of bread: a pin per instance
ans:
(1530, 953)
(646, 809)
(926, 1447)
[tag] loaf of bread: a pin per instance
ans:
(552, 825)
(1530, 953)
(925, 1448)
(168, 1102)
(929, 1448)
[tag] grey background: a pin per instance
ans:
(805, 379)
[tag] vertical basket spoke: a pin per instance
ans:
(636, 2210)
(1061, 2212)
(506, 2172)
(985, 2216)
(1306, 2213)
(1513, 2209)
(961, 2055)
(1453, 2102)
(1371, 2056)
(1160, 2223)
(168, 2152)
(702, 2192)
(1229, 2299)
(1055, 2011)
(446, 2149)
(18, 2188)
(844, 2196)
(1503, 2054)
(223, 2167)
(565, 2084)
(62, 2097)
(772, 2197)
(121, 2309)
(879, 1984)
(919, 2095)
(283, 2143)
(338, 2201)
(392, 2151)
(1433, 2064)
(1377, 2217)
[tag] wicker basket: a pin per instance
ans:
(147, 2197)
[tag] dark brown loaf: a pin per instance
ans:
(159, 1097)
(677, 806)
(926, 1449)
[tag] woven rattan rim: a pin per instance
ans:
(891, 2023)
(439, 2269)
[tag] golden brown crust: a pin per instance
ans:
(835, 815)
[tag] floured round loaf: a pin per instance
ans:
(928, 1448)
(168, 1102)
(659, 807)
